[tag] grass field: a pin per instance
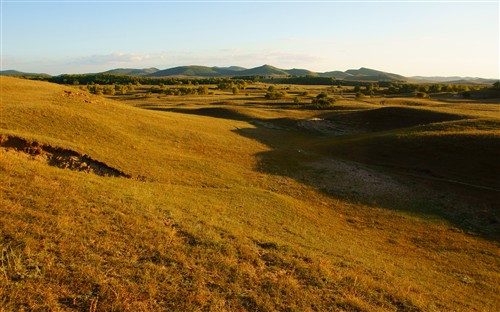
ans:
(233, 202)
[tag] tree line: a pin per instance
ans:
(112, 79)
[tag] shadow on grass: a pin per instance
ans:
(217, 112)
(420, 183)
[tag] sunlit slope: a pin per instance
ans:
(161, 147)
(197, 227)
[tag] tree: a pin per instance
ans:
(423, 89)
(322, 101)
(422, 95)
(496, 85)
(273, 95)
(435, 88)
(223, 85)
(110, 90)
(369, 89)
(202, 90)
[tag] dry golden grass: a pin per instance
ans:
(229, 218)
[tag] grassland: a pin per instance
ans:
(233, 203)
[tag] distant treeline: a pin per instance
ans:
(111, 79)
(325, 81)
(307, 80)
(367, 88)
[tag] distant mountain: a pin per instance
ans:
(366, 74)
(193, 71)
(11, 73)
(475, 81)
(264, 70)
(232, 68)
(300, 72)
(451, 79)
(132, 71)
(335, 74)
(232, 71)
(19, 73)
(361, 74)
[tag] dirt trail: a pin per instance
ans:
(59, 157)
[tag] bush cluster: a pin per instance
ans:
(275, 95)
(322, 101)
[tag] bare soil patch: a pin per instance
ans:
(59, 157)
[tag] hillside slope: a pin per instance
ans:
(264, 70)
(191, 71)
(372, 75)
(132, 71)
(193, 224)
(19, 73)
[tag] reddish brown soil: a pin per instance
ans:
(60, 157)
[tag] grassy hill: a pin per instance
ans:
(452, 79)
(188, 71)
(366, 74)
(19, 73)
(232, 68)
(300, 72)
(264, 70)
(204, 71)
(132, 71)
(12, 73)
(362, 74)
(237, 210)
(336, 73)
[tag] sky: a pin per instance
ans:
(411, 38)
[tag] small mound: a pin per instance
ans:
(59, 157)
(326, 126)
(388, 118)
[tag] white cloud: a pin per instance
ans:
(113, 59)
(221, 57)
(248, 58)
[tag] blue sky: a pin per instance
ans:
(408, 38)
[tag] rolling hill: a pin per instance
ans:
(452, 80)
(362, 74)
(336, 74)
(233, 68)
(366, 74)
(132, 71)
(19, 73)
(233, 71)
(300, 72)
(190, 71)
(264, 70)
(107, 206)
